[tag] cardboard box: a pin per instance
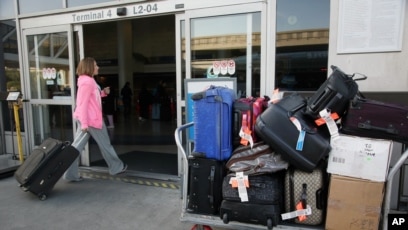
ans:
(354, 203)
(360, 157)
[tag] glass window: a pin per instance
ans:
(221, 45)
(30, 6)
(7, 9)
(9, 81)
(52, 121)
(301, 44)
(49, 66)
(9, 74)
(73, 3)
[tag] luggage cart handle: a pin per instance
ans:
(387, 199)
(177, 137)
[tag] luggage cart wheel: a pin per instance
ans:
(269, 223)
(225, 218)
(42, 196)
(204, 227)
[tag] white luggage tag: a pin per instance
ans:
(244, 132)
(242, 191)
(301, 212)
(330, 123)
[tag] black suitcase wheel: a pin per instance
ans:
(24, 188)
(225, 218)
(269, 223)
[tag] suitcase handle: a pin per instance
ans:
(363, 77)
(367, 125)
(319, 199)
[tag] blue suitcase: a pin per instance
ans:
(212, 116)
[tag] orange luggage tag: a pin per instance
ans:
(302, 203)
(322, 121)
(234, 182)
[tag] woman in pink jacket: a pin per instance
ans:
(88, 116)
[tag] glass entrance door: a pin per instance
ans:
(207, 39)
(226, 45)
(49, 79)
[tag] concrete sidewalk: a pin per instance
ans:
(92, 204)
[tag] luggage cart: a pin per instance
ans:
(206, 222)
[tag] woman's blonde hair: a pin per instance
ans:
(86, 67)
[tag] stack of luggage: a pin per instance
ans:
(212, 147)
(254, 182)
(279, 163)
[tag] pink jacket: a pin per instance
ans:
(88, 103)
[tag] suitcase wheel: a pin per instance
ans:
(42, 196)
(269, 223)
(24, 188)
(225, 218)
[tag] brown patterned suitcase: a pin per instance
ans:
(309, 188)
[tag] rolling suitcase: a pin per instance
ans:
(293, 135)
(205, 185)
(246, 110)
(263, 188)
(260, 214)
(44, 167)
(308, 189)
(212, 116)
(334, 94)
(376, 119)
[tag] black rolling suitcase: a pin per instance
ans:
(261, 214)
(292, 134)
(265, 199)
(334, 94)
(45, 166)
(263, 188)
(205, 185)
(376, 119)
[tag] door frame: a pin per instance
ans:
(184, 67)
(68, 29)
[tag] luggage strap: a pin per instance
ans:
(211, 179)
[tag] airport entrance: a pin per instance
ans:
(154, 54)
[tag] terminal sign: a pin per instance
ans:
(133, 10)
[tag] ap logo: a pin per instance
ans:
(397, 221)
